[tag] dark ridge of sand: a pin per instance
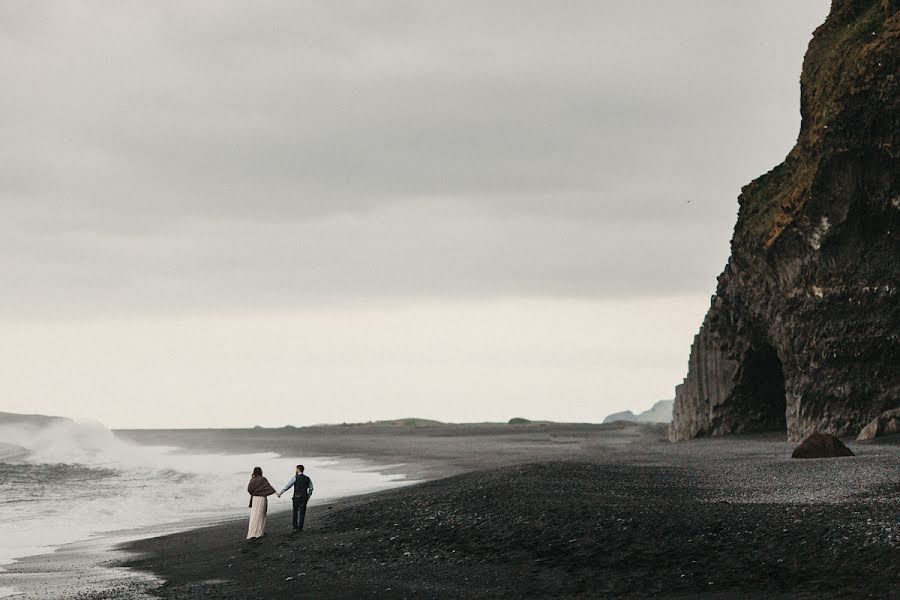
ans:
(620, 515)
(425, 452)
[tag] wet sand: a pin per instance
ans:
(556, 512)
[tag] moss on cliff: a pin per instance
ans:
(852, 52)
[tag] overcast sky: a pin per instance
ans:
(231, 213)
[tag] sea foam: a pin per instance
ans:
(67, 481)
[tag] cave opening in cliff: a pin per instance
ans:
(763, 390)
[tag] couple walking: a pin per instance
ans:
(260, 489)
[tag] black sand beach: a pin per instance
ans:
(565, 511)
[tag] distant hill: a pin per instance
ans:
(417, 422)
(36, 420)
(661, 412)
(411, 422)
(407, 422)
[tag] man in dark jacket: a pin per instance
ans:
(303, 489)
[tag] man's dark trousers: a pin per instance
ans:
(299, 511)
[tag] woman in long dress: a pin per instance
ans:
(259, 490)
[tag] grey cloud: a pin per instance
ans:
(214, 154)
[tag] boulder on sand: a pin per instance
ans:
(821, 445)
(887, 423)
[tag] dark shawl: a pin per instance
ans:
(259, 486)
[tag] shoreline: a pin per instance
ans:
(768, 527)
(90, 566)
(627, 497)
(100, 565)
(418, 453)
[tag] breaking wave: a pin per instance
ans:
(64, 482)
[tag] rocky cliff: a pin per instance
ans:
(803, 333)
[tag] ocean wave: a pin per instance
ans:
(12, 452)
(71, 443)
(72, 481)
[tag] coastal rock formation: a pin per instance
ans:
(803, 333)
(821, 445)
(661, 412)
(887, 423)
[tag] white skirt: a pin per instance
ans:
(257, 527)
